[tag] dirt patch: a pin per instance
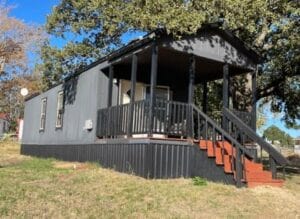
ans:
(71, 165)
(6, 161)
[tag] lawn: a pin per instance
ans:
(47, 188)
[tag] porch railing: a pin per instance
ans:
(169, 118)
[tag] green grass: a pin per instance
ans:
(198, 181)
(47, 188)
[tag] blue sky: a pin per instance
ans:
(36, 11)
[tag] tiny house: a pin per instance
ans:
(133, 110)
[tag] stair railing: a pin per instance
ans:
(246, 135)
(207, 129)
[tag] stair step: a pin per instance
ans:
(203, 144)
(250, 166)
(227, 164)
(276, 183)
(227, 147)
(210, 150)
(219, 158)
(258, 175)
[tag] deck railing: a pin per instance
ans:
(169, 118)
(244, 134)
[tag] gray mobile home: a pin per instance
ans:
(134, 110)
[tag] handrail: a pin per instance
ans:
(225, 133)
(278, 157)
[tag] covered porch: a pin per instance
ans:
(154, 84)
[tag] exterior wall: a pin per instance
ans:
(212, 46)
(84, 95)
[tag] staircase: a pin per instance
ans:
(231, 151)
(224, 154)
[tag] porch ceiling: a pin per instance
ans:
(173, 64)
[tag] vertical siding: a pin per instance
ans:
(172, 161)
(87, 94)
(149, 160)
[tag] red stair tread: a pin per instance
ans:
(260, 174)
(219, 159)
(204, 143)
(227, 147)
(227, 164)
(255, 184)
(252, 166)
(210, 150)
(267, 180)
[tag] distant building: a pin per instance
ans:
(4, 124)
(297, 145)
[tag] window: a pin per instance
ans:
(162, 92)
(59, 109)
(43, 114)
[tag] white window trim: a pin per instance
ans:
(158, 86)
(43, 114)
(58, 108)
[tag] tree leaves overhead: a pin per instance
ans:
(269, 27)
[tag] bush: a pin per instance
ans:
(198, 181)
(294, 159)
(8, 137)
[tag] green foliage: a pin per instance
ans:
(198, 181)
(270, 27)
(214, 98)
(273, 133)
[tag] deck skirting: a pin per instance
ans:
(148, 159)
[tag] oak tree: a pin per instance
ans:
(271, 28)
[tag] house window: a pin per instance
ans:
(162, 92)
(59, 110)
(43, 114)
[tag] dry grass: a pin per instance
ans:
(10, 153)
(46, 188)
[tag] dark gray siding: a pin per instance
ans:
(213, 47)
(146, 158)
(87, 94)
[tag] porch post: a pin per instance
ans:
(192, 69)
(110, 85)
(191, 79)
(132, 94)
(154, 63)
(253, 107)
(204, 97)
(225, 93)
